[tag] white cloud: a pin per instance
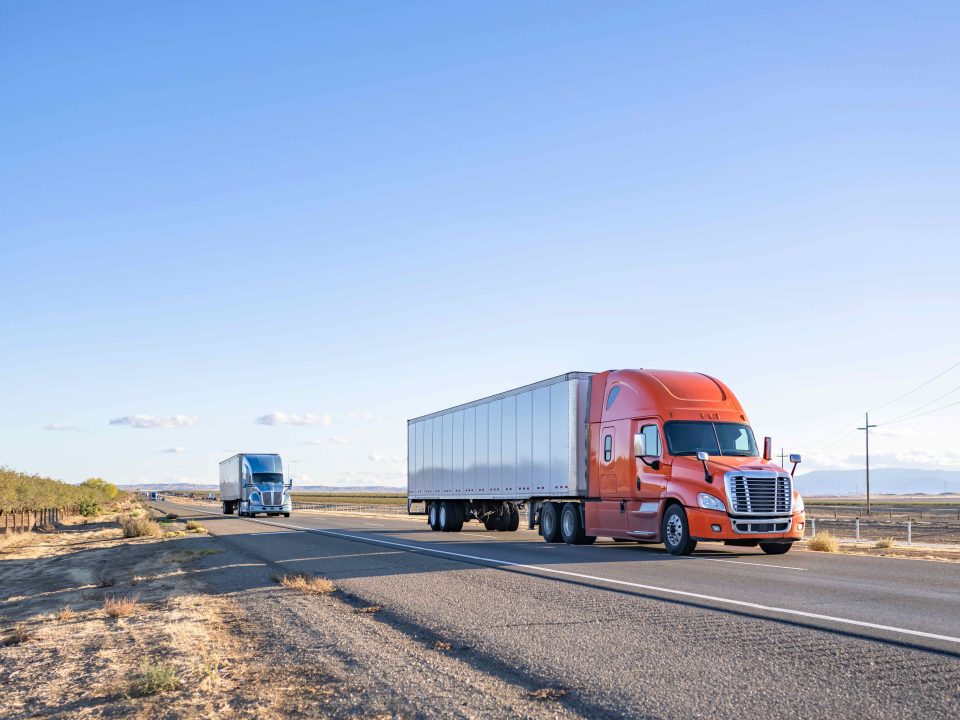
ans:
(60, 428)
(174, 450)
(144, 422)
(336, 440)
(910, 458)
(282, 418)
(378, 458)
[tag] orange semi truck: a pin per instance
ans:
(654, 456)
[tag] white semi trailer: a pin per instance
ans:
(488, 459)
(253, 483)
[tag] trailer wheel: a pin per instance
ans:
(514, 520)
(503, 520)
(432, 519)
(491, 522)
(227, 508)
(771, 548)
(447, 516)
(458, 511)
(571, 530)
(550, 523)
(676, 532)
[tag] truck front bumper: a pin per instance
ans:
(713, 525)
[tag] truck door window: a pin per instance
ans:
(607, 448)
(612, 396)
(651, 440)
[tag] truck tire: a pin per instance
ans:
(550, 523)
(227, 508)
(459, 511)
(433, 510)
(491, 522)
(571, 530)
(503, 521)
(772, 548)
(447, 516)
(514, 520)
(676, 532)
(286, 514)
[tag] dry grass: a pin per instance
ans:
(369, 610)
(195, 526)
(309, 584)
(155, 677)
(548, 693)
(15, 637)
(140, 527)
(883, 543)
(120, 607)
(183, 556)
(66, 613)
(442, 646)
(824, 542)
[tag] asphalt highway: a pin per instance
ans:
(631, 631)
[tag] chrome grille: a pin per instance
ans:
(760, 495)
(270, 499)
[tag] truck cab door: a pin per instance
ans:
(613, 460)
(650, 484)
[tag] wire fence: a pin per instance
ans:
(384, 510)
(904, 531)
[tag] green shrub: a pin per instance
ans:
(88, 507)
(20, 491)
(155, 677)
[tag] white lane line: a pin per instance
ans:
(280, 532)
(624, 583)
(754, 564)
(373, 524)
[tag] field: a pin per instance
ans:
(359, 499)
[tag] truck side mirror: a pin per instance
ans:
(703, 457)
(795, 459)
(639, 445)
(767, 448)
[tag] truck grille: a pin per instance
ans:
(271, 499)
(760, 496)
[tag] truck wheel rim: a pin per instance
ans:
(548, 524)
(568, 524)
(443, 515)
(674, 530)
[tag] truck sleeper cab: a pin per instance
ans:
(667, 457)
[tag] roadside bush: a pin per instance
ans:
(310, 584)
(172, 516)
(194, 525)
(120, 607)
(134, 527)
(885, 543)
(155, 677)
(89, 507)
(824, 542)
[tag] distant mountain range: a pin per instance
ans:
(893, 481)
(182, 487)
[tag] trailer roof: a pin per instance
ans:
(577, 375)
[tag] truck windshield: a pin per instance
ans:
(689, 438)
(268, 477)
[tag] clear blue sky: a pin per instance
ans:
(354, 213)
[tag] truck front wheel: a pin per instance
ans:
(676, 532)
(550, 523)
(771, 548)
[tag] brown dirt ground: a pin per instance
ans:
(82, 664)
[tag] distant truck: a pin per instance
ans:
(252, 484)
(154, 495)
(634, 455)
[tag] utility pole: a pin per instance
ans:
(866, 429)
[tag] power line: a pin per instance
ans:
(926, 404)
(918, 387)
(928, 412)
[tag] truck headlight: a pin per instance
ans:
(798, 503)
(709, 502)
